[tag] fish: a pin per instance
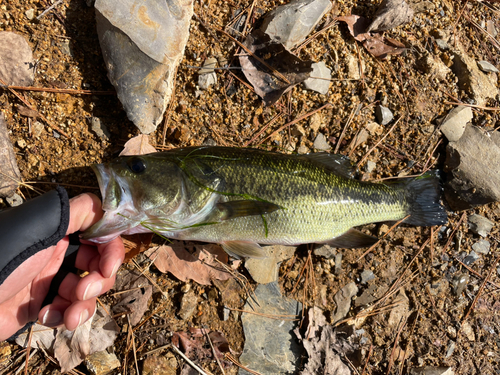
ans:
(243, 198)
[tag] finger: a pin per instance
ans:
(78, 313)
(86, 255)
(85, 210)
(112, 256)
(53, 315)
(93, 285)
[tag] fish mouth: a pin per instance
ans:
(119, 212)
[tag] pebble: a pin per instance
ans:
(325, 251)
(468, 331)
(14, 200)
(207, 76)
(486, 67)
(165, 364)
(366, 276)
(432, 370)
(471, 258)
(453, 126)
(370, 166)
(442, 45)
(37, 128)
(451, 349)
(482, 247)
(319, 80)
(320, 143)
(21, 143)
(99, 128)
(459, 283)
(490, 27)
(383, 114)
(480, 225)
(56, 134)
(189, 304)
(65, 47)
(101, 363)
(338, 264)
(343, 301)
(30, 14)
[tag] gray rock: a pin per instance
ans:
(453, 126)
(481, 247)
(270, 345)
(480, 225)
(14, 200)
(343, 301)
(319, 80)
(338, 264)
(459, 283)
(472, 179)
(66, 47)
(472, 80)
(442, 45)
(10, 177)
(99, 128)
(490, 27)
(291, 23)
(366, 276)
(16, 65)
(101, 363)
(265, 270)
(383, 114)
(207, 76)
(320, 143)
(325, 251)
(142, 47)
(486, 67)
(471, 258)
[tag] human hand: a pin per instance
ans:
(23, 292)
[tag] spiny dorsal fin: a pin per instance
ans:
(353, 238)
(337, 163)
(233, 209)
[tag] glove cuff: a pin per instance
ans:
(33, 226)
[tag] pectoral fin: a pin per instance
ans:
(246, 249)
(353, 238)
(233, 209)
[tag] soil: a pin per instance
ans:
(68, 56)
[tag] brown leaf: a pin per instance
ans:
(135, 301)
(138, 145)
(199, 266)
(71, 347)
(135, 244)
(289, 70)
(391, 14)
(195, 345)
(375, 43)
(10, 176)
(26, 112)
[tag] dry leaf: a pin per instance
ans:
(104, 330)
(16, 60)
(42, 337)
(289, 70)
(375, 43)
(135, 244)
(71, 347)
(26, 112)
(391, 14)
(9, 172)
(138, 145)
(195, 345)
(199, 266)
(134, 302)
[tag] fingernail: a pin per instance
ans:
(52, 318)
(93, 290)
(115, 268)
(84, 315)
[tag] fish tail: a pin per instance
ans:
(422, 194)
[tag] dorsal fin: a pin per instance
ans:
(340, 164)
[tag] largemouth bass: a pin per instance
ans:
(244, 198)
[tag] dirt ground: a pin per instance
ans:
(68, 56)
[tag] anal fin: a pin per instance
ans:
(245, 249)
(351, 239)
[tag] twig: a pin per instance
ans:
(191, 363)
(232, 359)
(203, 330)
(474, 106)
(353, 113)
(493, 267)
(269, 123)
(49, 9)
(270, 316)
(131, 332)
(402, 324)
(367, 359)
(58, 91)
(476, 273)
(376, 144)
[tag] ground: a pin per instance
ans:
(68, 56)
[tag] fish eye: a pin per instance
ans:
(137, 165)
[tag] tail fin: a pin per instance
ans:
(423, 195)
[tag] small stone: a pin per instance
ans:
(459, 283)
(338, 264)
(303, 149)
(21, 143)
(480, 225)
(490, 27)
(37, 128)
(66, 48)
(343, 301)
(325, 251)
(383, 114)
(432, 65)
(486, 67)
(165, 364)
(99, 128)
(353, 71)
(432, 370)
(14, 200)
(482, 247)
(468, 331)
(320, 143)
(315, 122)
(370, 166)
(453, 126)
(30, 14)
(207, 76)
(442, 45)
(374, 128)
(101, 363)
(450, 349)
(319, 80)
(471, 258)
(56, 134)
(366, 276)
(189, 304)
